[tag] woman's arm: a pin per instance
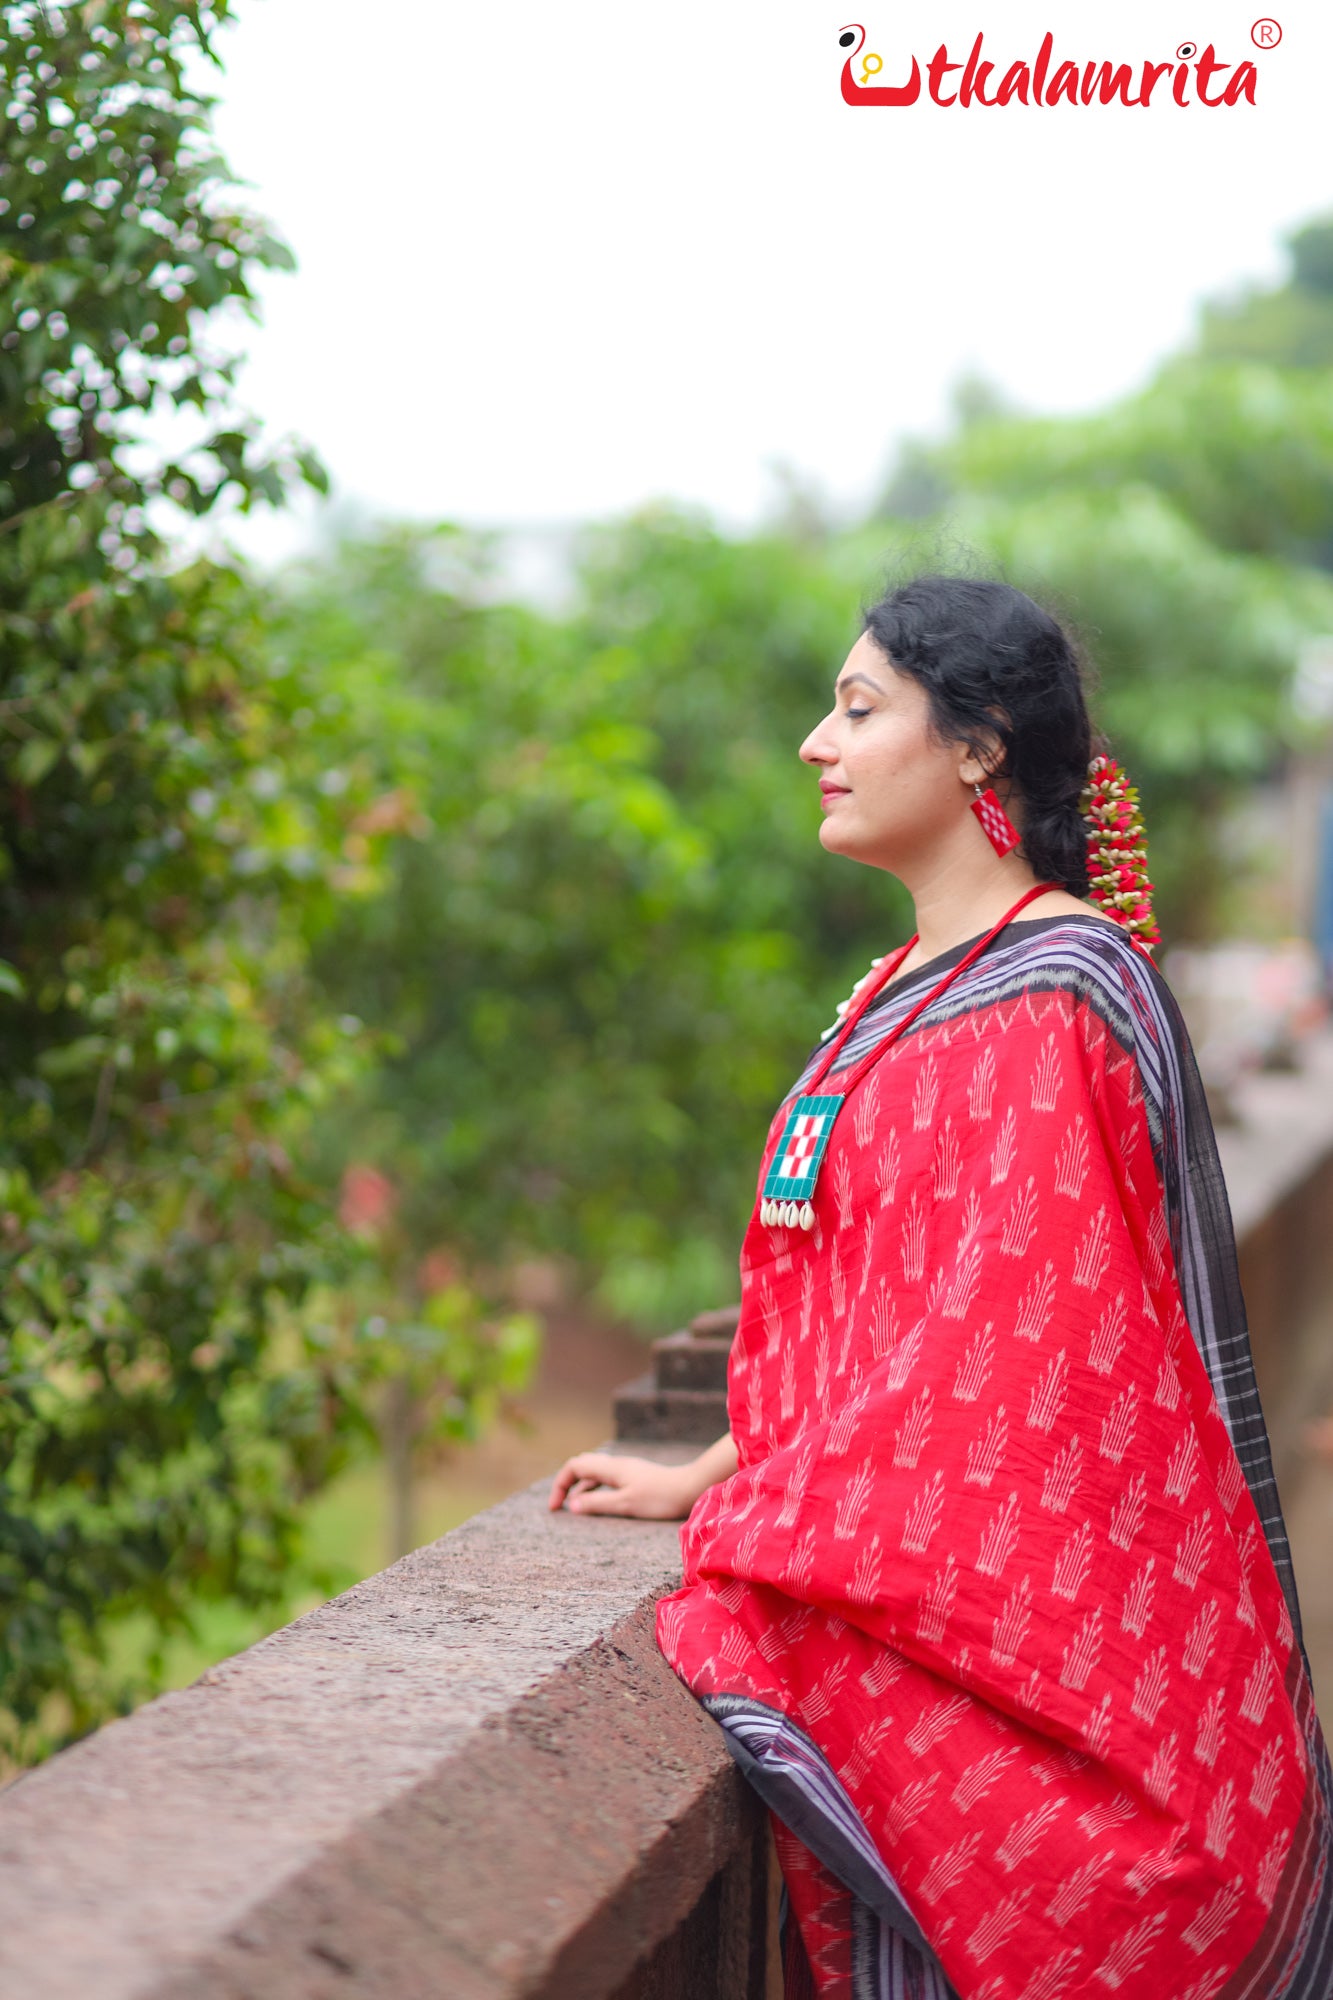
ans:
(602, 1482)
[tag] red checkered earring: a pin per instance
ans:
(999, 829)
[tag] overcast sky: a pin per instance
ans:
(557, 260)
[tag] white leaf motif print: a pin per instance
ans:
(981, 1092)
(1201, 1639)
(1075, 1892)
(1259, 1689)
(864, 1587)
(909, 1805)
(905, 1356)
(999, 1538)
(1151, 1687)
(1267, 1780)
(1270, 1869)
(821, 1698)
(937, 1602)
(885, 1670)
(1010, 1628)
(1021, 1223)
(1051, 1980)
(889, 1168)
(1073, 1563)
(1230, 1482)
(883, 1322)
(867, 1110)
(1128, 1512)
(923, 1516)
(1155, 1866)
(1006, 1146)
(1048, 1077)
(1128, 1953)
(1182, 1468)
(974, 1370)
(1093, 1256)
(842, 1181)
(985, 1454)
(1119, 1424)
(1193, 1551)
(1080, 1656)
(909, 1440)
(1098, 1819)
(949, 1868)
(1060, 1481)
(1072, 1160)
(948, 1162)
(837, 1285)
(1221, 1820)
(842, 1431)
(1137, 1609)
(1097, 1729)
(1212, 1731)
(926, 1096)
(1025, 1834)
(852, 1506)
(1167, 1393)
(979, 1778)
(796, 1486)
(1109, 1337)
(934, 1724)
(1049, 1393)
(997, 1924)
(1214, 1918)
(1036, 1305)
(1159, 1780)
(914, 1240)
(966, 1278)
(866, 1754)
(801, 1562)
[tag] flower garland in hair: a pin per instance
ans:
(1117, 851)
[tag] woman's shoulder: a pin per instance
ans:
(1098, 961)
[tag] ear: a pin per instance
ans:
(982, 757)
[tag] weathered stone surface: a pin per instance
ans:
(472, 1776)
(685, 1361)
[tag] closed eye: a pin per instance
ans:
(855, 714)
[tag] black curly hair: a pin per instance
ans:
(1003, 677)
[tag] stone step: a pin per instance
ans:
(647, 1414)
(684, 1361)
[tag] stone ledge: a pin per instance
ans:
(471, 1775)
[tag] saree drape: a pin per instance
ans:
(997, 1612)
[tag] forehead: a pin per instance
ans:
(867, 666)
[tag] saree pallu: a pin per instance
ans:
(997, 1613)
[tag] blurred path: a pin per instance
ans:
(1310, 1525)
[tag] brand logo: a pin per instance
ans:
(1193, 76)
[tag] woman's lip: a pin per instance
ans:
(828, 793)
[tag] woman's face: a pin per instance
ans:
(892, 793)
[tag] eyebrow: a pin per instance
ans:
(846, 680)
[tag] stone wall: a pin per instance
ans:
(469, 1778)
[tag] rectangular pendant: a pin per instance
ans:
(800, 1153)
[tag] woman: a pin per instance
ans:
(988, 1585)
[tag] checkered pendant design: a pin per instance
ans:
(790, 1182)
(999, 829)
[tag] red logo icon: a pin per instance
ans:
(1266, 33)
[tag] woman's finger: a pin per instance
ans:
(603, 1500)
(587, 1469)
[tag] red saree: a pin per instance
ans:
(992, 1612)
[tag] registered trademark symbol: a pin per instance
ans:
(1266, 33)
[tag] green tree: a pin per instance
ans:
(172, 840)
(614, 934)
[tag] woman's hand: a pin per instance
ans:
(602, 1482)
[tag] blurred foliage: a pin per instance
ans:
(1291, 326)
(613, 932)
(172, 840)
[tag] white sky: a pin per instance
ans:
(556, 260)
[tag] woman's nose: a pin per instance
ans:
(817, 749)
